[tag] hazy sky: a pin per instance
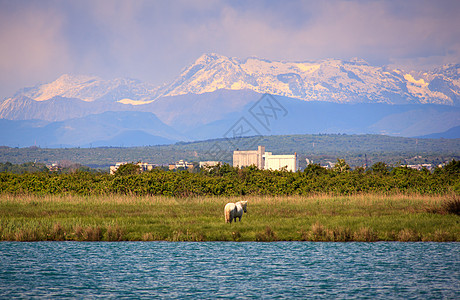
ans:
(154, 40)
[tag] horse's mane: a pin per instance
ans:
(243, 204)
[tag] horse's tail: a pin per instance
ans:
(227, 211)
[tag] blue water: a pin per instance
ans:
(230, 270)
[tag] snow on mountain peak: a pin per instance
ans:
(209, 57)
(342, 81)
(332, 80)
(67, 86)
(91, 88)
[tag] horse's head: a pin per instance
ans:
(244, 204)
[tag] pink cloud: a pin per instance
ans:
(154, 40)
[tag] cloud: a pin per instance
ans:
(378, 31)
(154, 40)
(32, 42)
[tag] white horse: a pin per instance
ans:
(234, 210)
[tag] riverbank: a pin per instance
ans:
(366, 217)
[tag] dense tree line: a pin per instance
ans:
(228, 181)
(29, 167)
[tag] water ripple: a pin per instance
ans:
(229, 270)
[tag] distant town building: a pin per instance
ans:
(181, 164)
(146, 166)
(209, 164)
(278, 162)
(113, 169)
(142, 167)
(329, 165)
(54, 167)
(419, 167)
(249, 158)
(265, 160)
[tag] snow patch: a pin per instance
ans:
(419, 82)
(307, 68)
(134, 102)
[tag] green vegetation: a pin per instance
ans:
(29, 167)
(32, 167)
(228, 181)
(361, 217)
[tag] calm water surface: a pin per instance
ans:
(230, 270)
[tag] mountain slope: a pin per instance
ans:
(312, 117)
(131, 138)
(137, 128)
(90, 88)
(453, 133)
(330, 80)
(212, 115)
(54, 109)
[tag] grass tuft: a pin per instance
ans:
(407, 235)
(318, 232)
(365, 234)
(114, 233)
(236, 236)
(151, 236)
(452, 205)
(187, 236)
(88, 234)
(58, 233)
(268, 235)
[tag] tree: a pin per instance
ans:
(315, 169)
(453, 167)
(380, 168)
(128, 169)
(341, 166)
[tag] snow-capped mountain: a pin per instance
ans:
(91, 88)
(331, 80)
(75, 96)
(210, 95)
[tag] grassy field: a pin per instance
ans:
(366, 217)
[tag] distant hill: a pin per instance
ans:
(130, 138)
(453, 133)
(105, 129)
(356, 149)
(312, 117)
(212, 115)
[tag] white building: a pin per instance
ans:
(265, 160)
(209, 164)
(278, 162)
(249, 158)
(181, 164)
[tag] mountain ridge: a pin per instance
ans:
(135, 128)
(213, 93)
(331, 80)
(138, 129)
